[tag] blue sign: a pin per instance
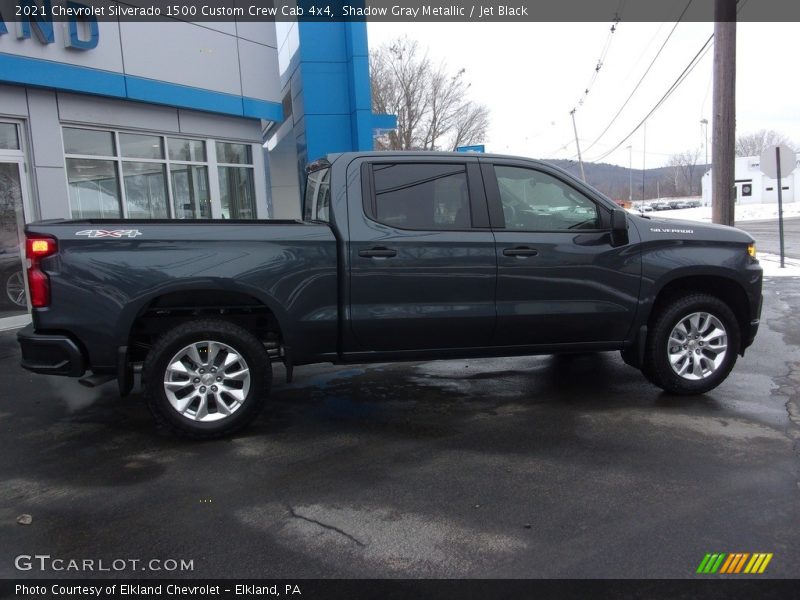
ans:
(477, 148)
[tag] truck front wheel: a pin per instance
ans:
(692, 344)
(206, 379)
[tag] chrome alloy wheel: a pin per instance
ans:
(697, 346)
(15, 288)
(207, 381)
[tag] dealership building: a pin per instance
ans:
(169, 120)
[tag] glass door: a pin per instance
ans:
(13, 293)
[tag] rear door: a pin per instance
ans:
(560, 281)
(421, 255)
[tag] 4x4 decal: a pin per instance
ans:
(110, 233)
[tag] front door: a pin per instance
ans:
(559, 279)
(421, 256)
(13, 296)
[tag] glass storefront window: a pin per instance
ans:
(236, 193)
(93, 189)
(145, 190)
(88, 141)
(140, 146)
(9, 138)
(238, 154)
(150, 176)
(187, 150)
(190, 191)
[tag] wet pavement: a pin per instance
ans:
(569, 466)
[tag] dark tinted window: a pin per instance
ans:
(421, 196)
(535, 201)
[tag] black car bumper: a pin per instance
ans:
(51, 354)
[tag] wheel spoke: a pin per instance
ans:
(715, 333)
(202, 410)
(221, 406)
(683, 368)
(697, 368)
(694, 322)
(237, 375)
(213, 352)
(183, 404)
(194, 355)
(231, 359)
(178, 367)
(177, 386)
(677, 357)
(235, 393)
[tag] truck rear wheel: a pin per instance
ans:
(692, 344)
(206, 379)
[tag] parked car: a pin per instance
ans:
(12, 278)
(678, 204)
(659, 205)
(399, 256)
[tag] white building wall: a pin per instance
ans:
(762, 189)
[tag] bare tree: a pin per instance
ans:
(684, 170)
(431, 104)
(753, 144)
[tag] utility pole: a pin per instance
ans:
(724, 121)
(704, 123)
(630, 174)
(644, 157)
(577, 145)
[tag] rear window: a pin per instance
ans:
(421, 196)
(317, 202)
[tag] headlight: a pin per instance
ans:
(751, 250)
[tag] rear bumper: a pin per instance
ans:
(51, 354)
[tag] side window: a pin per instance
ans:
(535, 201)
(317, 202)
(423, 196)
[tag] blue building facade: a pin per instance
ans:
(116, 119)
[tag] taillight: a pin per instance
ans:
(37, 248)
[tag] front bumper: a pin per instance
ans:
(51, 354)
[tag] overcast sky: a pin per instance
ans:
(531, 75)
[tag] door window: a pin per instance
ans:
(427, 197)
(535, 201)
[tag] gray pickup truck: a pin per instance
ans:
(399, 256)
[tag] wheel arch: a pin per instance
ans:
(718, 284)
(191, 300)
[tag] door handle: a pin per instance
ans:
(378, 252)
(520, 251)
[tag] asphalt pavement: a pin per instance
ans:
(526, 467)
(765, 233)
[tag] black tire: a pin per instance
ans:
(657, 367)
(245, 344)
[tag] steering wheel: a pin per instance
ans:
(509, 214)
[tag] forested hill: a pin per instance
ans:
(614, 181)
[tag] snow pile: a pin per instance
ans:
(771, 263)
(743, 212)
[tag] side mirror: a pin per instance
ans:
(619, 228)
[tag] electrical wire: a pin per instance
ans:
(689, 68)
(639, 83)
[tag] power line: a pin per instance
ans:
(650, 66)
(601, 60)
(689, 68)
